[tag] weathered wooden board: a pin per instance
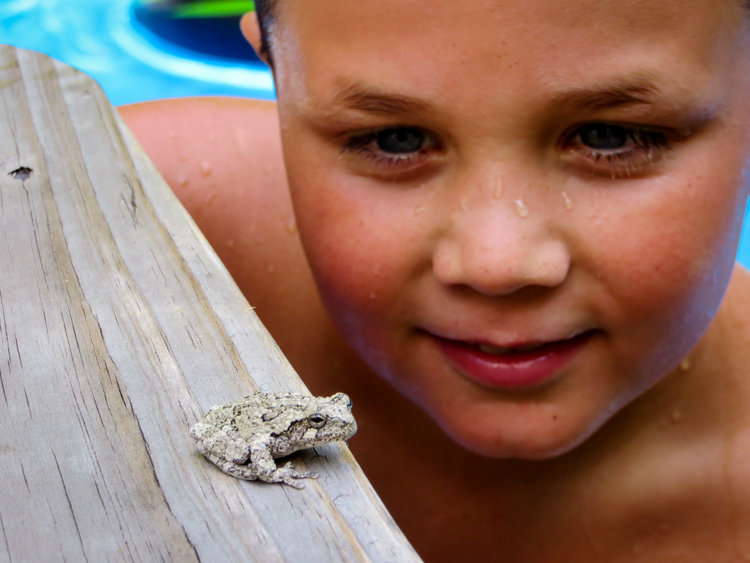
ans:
(119, 327)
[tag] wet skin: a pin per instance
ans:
(562, 169)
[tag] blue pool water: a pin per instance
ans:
(133, 64)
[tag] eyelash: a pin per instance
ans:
(648, 147)
(359, 145)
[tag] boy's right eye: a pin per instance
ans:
(391, 151)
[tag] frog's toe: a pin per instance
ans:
(290, 476)
(290, 470)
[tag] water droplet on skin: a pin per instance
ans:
(464, 204)
(172, 134)
(230, 243)
(676, 415)
(206, 169)
(211, 137)
(373, 295)
(182, 179)
(418, 210)
(521, 209)
(270, 268)
(568, 202)
(498, 190)
(637, 548)
(685, 364)
(291, 225)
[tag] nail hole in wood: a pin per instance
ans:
(23, 173)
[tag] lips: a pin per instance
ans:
(516, 367)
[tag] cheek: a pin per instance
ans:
(667, 262)
(364, 249)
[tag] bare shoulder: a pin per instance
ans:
(222, 157)
(735, 310)
(736, 443)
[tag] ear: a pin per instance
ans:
(251, 30)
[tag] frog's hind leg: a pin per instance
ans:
(230, 468)
(266, 470)
(225, 448)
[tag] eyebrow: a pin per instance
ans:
(373, 100)
(638, 91)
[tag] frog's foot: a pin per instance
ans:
(289, 475)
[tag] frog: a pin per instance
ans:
(245, 437)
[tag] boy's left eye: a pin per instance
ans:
(601, 136)
(400, 140)
(615, 150)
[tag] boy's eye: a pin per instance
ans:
(615, 150)
(399, 151)
(400, 140)
(601, 136)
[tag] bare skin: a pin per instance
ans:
(628, 494)
(665, 479)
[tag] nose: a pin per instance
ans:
(498, 252)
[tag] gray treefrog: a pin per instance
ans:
(244, 437)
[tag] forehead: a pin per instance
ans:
(346, 20)
(427, 46)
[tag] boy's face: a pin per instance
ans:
(563, 173)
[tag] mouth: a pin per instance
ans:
(496, 350)
(519, 366)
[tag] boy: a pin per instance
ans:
(522, 219)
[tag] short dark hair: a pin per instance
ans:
(265, 10)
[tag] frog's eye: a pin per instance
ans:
(316, 420)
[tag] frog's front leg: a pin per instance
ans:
(265, 468)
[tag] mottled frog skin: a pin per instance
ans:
(244, 437)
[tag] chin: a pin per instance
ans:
(509, 449)
(529, 439)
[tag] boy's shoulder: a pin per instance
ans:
(222, 157)
(204, 144)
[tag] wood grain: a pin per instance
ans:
(119, 327)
